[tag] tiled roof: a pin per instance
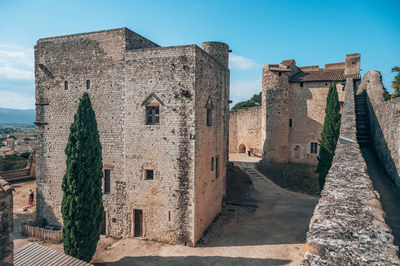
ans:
(5, 186)
(35, 254)
(322, 75)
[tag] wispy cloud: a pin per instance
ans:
(242, 90)
(16, 62)
(240, 62)
(16, 100)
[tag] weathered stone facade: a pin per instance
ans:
(6, 223)
(384, 120)
(293, 106)
(348, 225)
(128, 74)
(293, 109)
(245, 130)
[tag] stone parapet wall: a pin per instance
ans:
(348, 225)
(6, 223)
(384, 124)
(245, 129)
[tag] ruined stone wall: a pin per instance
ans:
(348, 225)
(245, 129)
(212, 90)
(6, 223)
(384, 124)
(307, 111)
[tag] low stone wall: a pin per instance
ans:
(348, 225)
(41, 233)
(384, 124)
(6, 223)
(245, 129)
(9, 175)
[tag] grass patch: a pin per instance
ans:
(14, 162)
(294, 177)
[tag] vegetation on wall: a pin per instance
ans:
(253, 102)
(14, 162)
(82, 207)
(396, 82)
(329, 135)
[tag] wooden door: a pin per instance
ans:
(138, 230)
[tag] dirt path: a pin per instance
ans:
(268, 228)
(389, 196)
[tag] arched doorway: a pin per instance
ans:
(242, 148)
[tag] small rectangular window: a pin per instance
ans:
(66, 85)
(217, 166)
(107, 181)
(169, 215)
(290, 122)
(87, 84)
(212, 163)
(314, 148)
(209, 116)
(280, 73)
(152, 115)
(149, 175)
(301, 84)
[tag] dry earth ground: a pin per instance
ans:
(268, 227)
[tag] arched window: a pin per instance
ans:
(209, 114)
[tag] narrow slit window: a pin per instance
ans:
(152, 115)
(149, 174)
(212, 163)
(290, 122)
(217, 166)
(209, 117)
(314, 148)
(169, 215)
(66, 85)
(107, 181)
(301, 84)
(87, 84)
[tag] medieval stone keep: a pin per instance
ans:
(162, 114)
(288, 125)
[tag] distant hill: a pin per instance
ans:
(14, 116)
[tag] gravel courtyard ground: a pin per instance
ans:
(268, 227)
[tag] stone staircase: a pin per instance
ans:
(362, 125)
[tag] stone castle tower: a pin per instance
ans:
(162, 115)
(293, 106)
(288, 125)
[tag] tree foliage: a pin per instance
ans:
(396, 82)
(82, 206)
(254, 101)
(329, 135)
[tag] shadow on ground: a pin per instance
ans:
(194, 260)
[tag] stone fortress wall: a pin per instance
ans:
(128, 73)
(245, 130)
(6, 223)
(348, 225)
(384, 119)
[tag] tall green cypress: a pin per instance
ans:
(329, 135)
(82, 206)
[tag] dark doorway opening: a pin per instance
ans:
(138, 230)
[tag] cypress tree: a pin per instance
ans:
(82, 206)
(329, 135)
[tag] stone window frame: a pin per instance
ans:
(216, 166)
(314, 148)
(209, 111)
(152, 101)
(109, 168)
(152, 167)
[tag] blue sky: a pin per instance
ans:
(258, 32)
